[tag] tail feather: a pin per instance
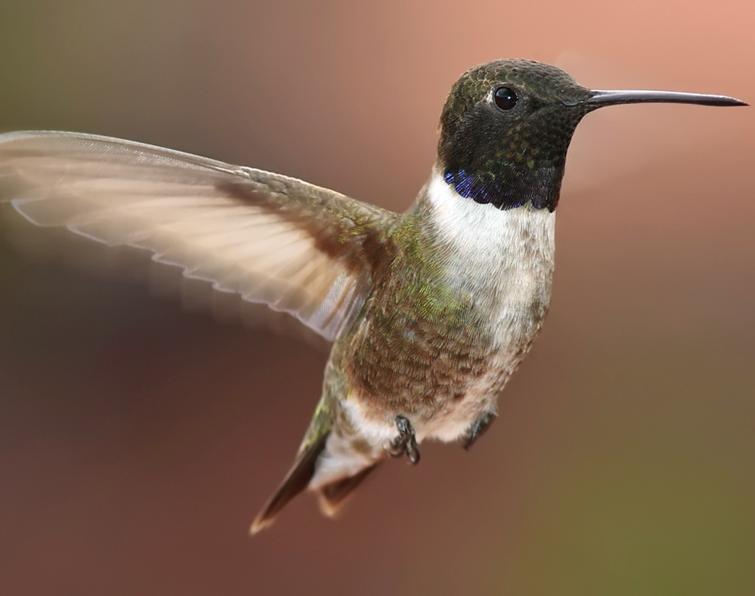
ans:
(331, 463)
(295, 482)
(334, 495)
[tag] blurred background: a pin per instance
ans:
(137, 440)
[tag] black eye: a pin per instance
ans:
(505, 98)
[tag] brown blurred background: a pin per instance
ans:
(137, 441)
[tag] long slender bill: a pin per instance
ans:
(601, 97)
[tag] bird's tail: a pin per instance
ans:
(297, 479)
(334, 495)
(331, 495)
(322, 466)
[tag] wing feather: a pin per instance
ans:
(271, 239)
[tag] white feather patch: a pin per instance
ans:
(504, 259)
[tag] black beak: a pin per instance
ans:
(600, 98)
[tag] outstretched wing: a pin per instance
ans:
(296, 247)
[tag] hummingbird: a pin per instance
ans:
(429, 311)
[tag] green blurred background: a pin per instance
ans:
(137, 441)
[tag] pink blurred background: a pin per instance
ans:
(137, 441)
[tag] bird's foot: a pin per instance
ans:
(478, 428)
(406, 442)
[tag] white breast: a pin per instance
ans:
(504, 256)
(503, 260)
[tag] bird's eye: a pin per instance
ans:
(504, 98)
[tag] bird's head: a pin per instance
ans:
(506, 127)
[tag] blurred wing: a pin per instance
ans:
(296, 247)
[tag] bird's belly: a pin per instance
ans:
(477, 395)
(442, 377)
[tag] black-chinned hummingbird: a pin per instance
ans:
(430, 311)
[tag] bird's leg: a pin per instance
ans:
(477, 429)
(405, 443)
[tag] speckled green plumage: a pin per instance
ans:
(434, 335)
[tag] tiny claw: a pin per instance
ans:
(406, 442)
(395, 448)
(412, 451)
